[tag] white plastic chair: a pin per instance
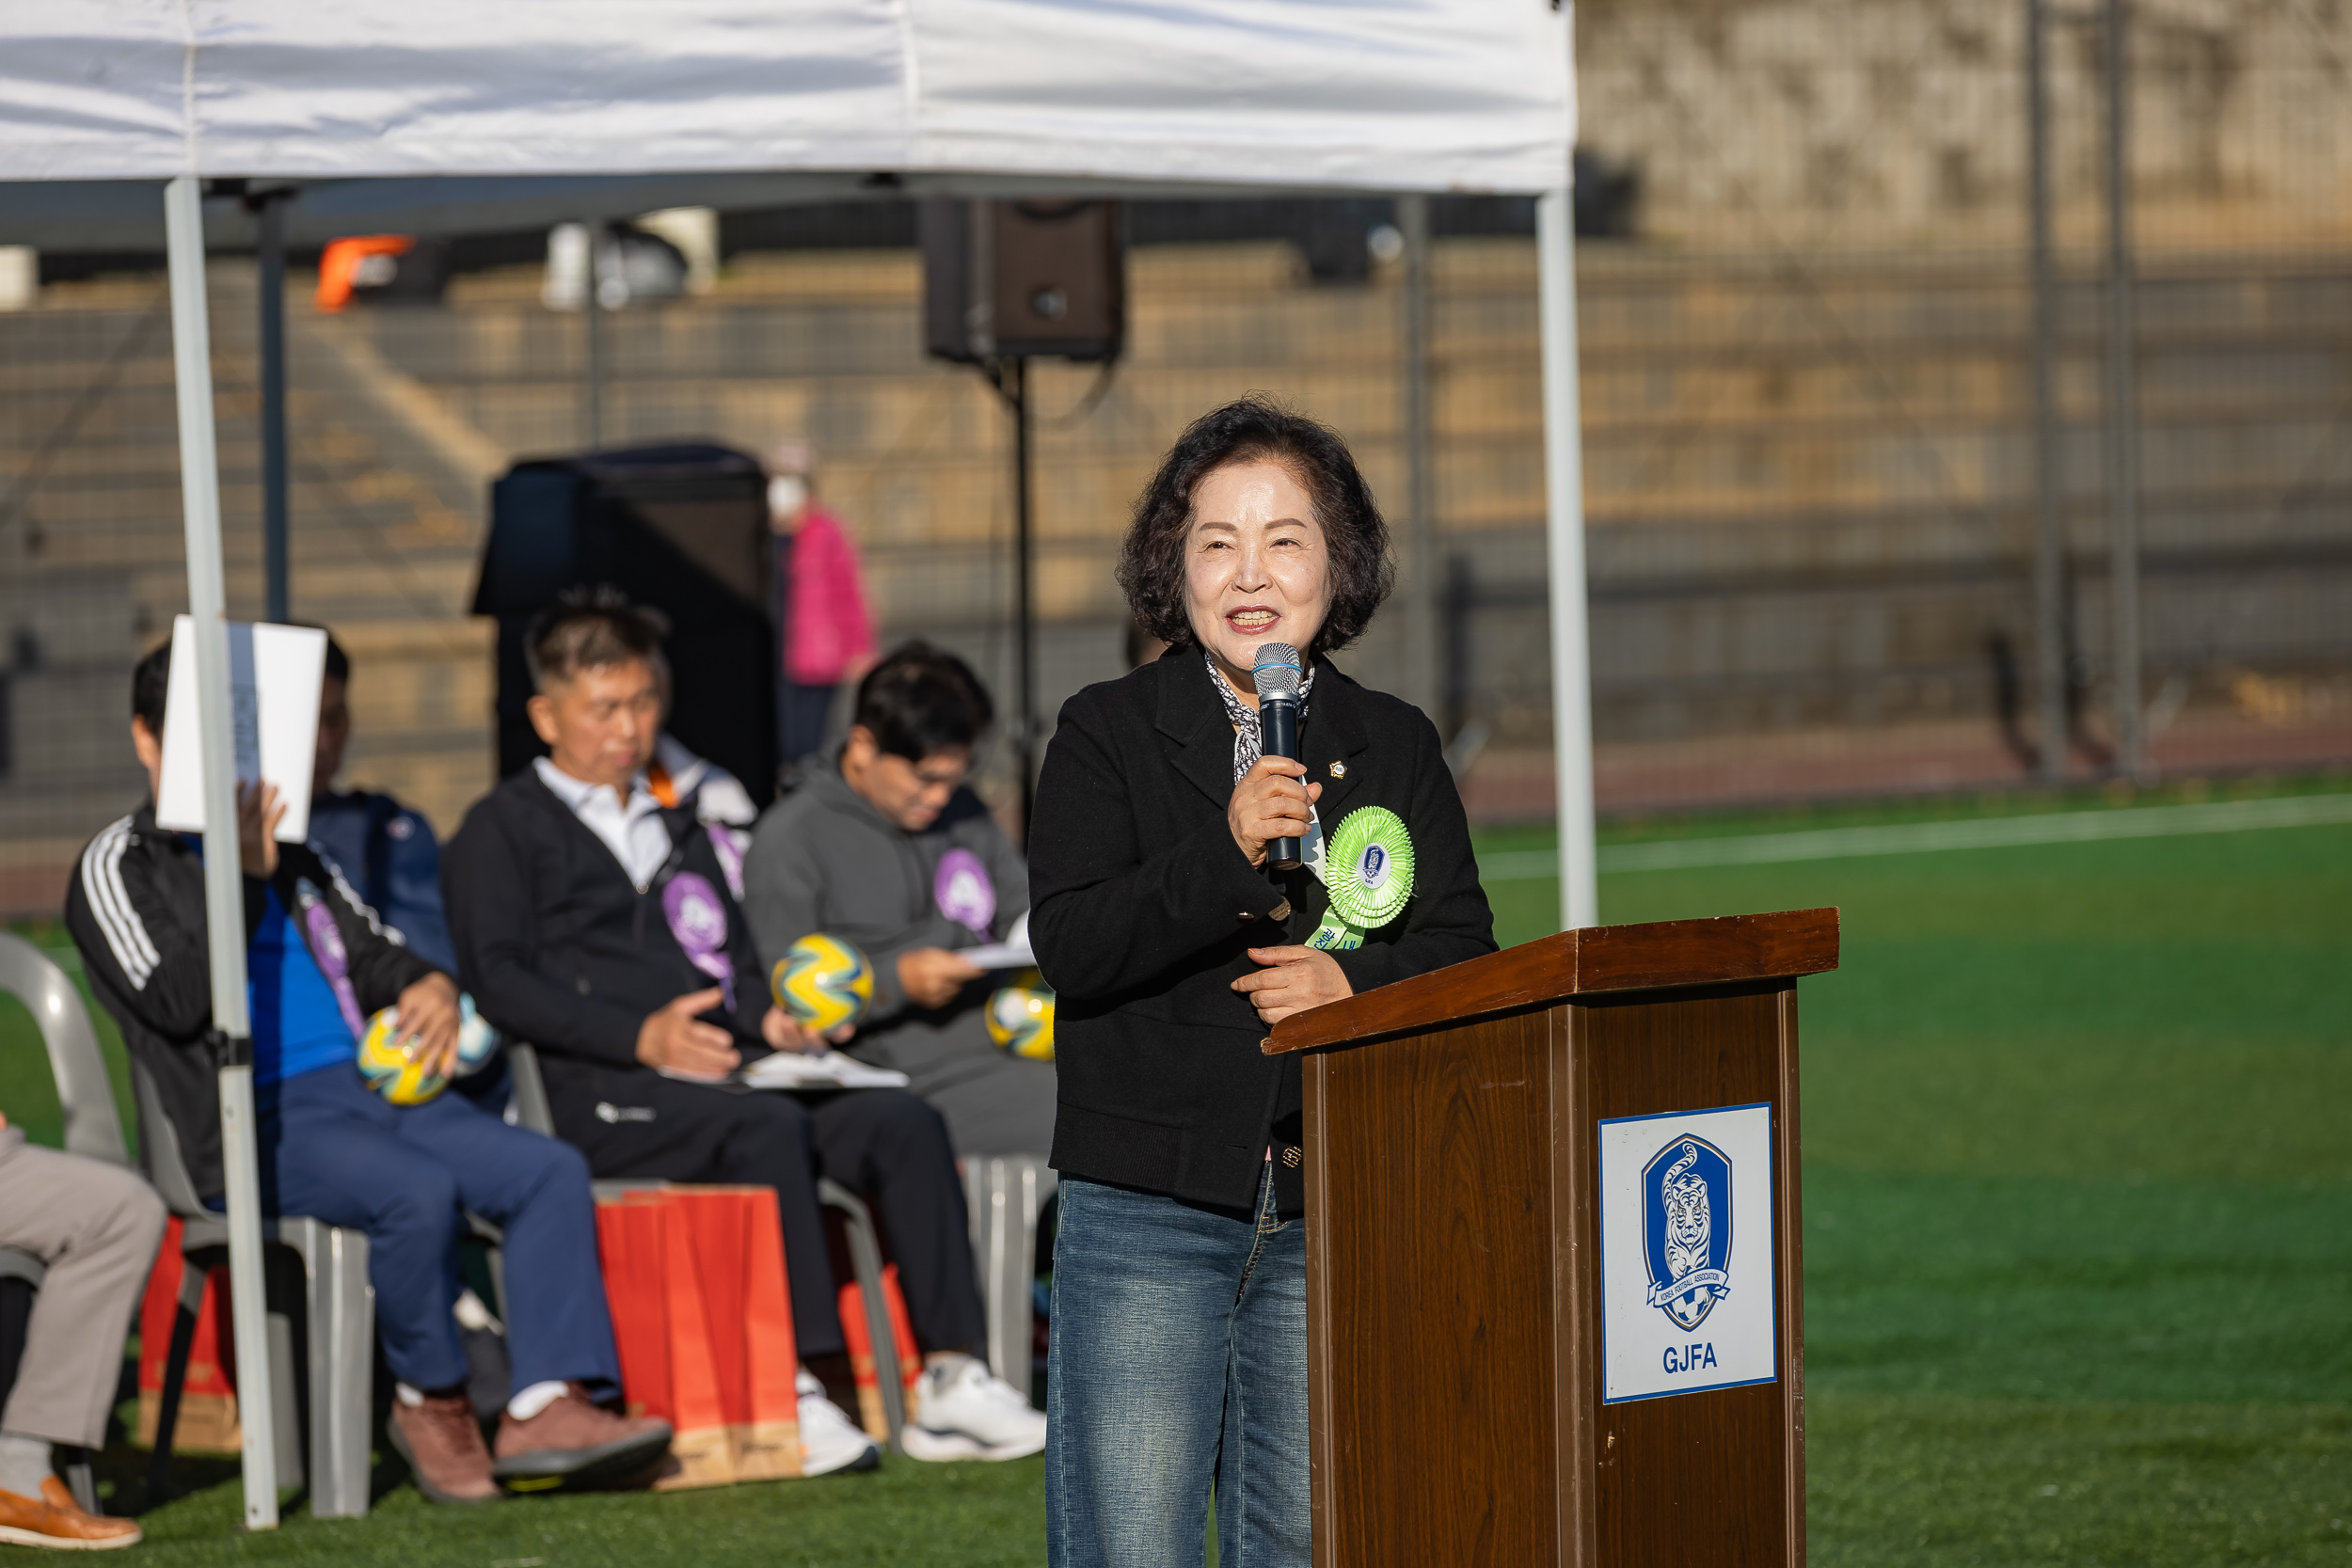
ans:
(337, 1322)
(1003, 1195)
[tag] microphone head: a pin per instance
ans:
(1275, 673)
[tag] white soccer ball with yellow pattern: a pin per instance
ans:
(823, 982)
(391, 1073)
(389, 1069)
(1020, 1020)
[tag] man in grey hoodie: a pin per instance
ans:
(884, 847)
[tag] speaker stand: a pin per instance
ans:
(1009, 375)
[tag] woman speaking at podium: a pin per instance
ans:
(1163, 921)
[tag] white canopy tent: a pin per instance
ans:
(441, 116)
(1408, 94)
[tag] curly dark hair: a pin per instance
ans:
(1255, 428)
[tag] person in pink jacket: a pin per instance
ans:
(824, 635)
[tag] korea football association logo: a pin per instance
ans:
(1686, 1193)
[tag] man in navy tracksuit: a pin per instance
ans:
(319, 963)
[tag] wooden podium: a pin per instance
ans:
(1474, 1136)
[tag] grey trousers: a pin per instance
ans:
(994, 1104)
(1005, 1108)
(96, 1226)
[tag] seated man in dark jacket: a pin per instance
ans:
(319, 964)
(595, 922)
(885, 847)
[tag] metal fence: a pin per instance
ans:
(1808, 301)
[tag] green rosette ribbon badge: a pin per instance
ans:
(1368, 870)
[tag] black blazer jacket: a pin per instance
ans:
(1143, 908)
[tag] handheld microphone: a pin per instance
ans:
(1276, 674)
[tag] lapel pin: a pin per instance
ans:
(1339, 771)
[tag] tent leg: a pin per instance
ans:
(2123, 414)
(1025, 611)
(1423, 575)
(272, 269)
(1571, 646)
(2049, 546)
(591, 347)
(224, 892)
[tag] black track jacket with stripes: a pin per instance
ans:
(136, 908)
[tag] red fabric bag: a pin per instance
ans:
(703, 1322)
(208, 1397)
(853, 1329)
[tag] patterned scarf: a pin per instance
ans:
(1247, 737)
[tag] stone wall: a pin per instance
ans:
(1809, 123)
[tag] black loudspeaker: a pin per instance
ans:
(682, 530)
(1016, 280)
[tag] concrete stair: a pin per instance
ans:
(386, 530)
(1808, 477)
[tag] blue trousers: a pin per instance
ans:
(405, 1175)
(1178, 1354)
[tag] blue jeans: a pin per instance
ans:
(405, 1174)
(1179, 1357)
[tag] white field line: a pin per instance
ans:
(1912, 838)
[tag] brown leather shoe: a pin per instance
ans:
(442, 1444)
(58, 1522)
(576, 1443)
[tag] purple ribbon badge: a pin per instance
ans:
(699, 922)
(964, 893)
(727, 843)
(327, 951)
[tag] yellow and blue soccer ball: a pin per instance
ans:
(1021, 1019)
(391, 1074)
(823, 982)
(387, 1067)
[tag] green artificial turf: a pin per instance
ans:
(1936, 1480)
(980, 1516)
(2078, 1193)
(2078, 1229)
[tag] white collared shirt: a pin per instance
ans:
(717, 795)
(634, 832)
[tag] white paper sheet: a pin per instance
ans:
(788, 1070)
(274, 677)
(1014, 952)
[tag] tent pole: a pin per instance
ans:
(1024, 612)
(591, 347)
(272, 269)
(1564, 474)
(2049, 553)
(1424, 573)
(2123, 432)
(224, 889)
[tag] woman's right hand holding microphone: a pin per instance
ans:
(1270, 802)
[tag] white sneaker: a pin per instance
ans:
(964, 1412)
(830, 1440)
